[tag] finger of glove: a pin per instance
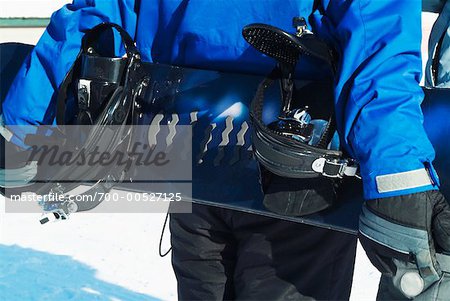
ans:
(441, 224)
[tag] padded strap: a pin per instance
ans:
(287, 157)
(94, 34)
(88, 40)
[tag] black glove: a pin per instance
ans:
(401, 236)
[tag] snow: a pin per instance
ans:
(96, 256)
(30, 8)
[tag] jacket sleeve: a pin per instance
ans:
(377, 92)
(30, 100)
(433, 6)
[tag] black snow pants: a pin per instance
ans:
(221, 254)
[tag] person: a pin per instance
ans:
(222, 254)
(437, 75)
(216, 253)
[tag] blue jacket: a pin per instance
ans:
(377, 89)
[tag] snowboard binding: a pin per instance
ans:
(298, 165)
(107, 100)
(284, 147)
(97, 102)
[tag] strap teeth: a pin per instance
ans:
(273, 44)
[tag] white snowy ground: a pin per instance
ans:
(93, 256)
(101, 256)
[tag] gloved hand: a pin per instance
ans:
(401, 236)
(439, 291)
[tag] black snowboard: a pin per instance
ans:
(215, 104)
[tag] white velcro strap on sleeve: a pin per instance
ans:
(403, 180)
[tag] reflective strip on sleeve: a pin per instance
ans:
(403, 180)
